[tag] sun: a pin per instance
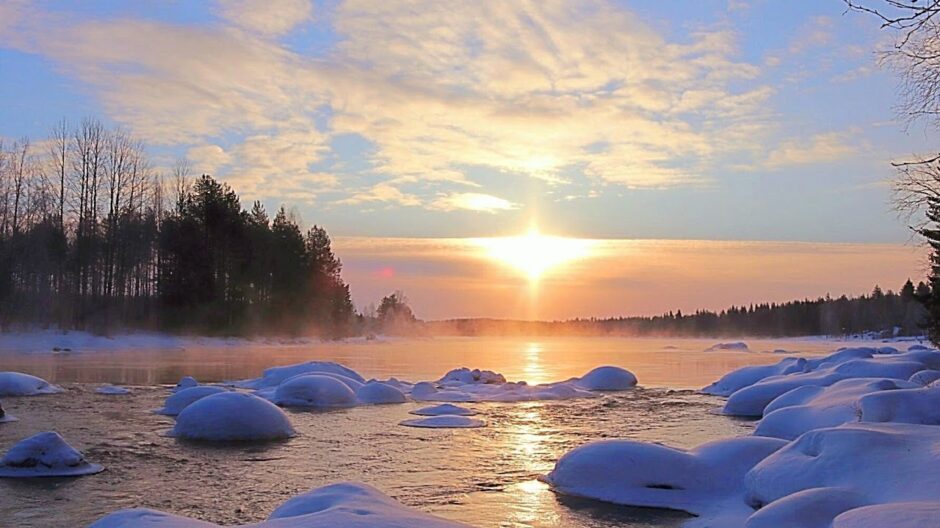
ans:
(533, 253)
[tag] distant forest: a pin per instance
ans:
(883, 314)
(93, 238)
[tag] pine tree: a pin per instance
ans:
(931, 232)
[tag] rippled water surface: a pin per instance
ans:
(485, 477)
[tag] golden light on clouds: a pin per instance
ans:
(534, 254)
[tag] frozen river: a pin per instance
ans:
(485, 477)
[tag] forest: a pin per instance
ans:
(93, 238)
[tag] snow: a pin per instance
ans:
(112, 390)
(6, 417)
(896, 515)
(706, 481)
(464, 375)
(914, 406)
(747, 376)
(186, 382)
(182, 399)
(19, 384)
(345, 504)
(608, 378)
(925, 377)
(444, 408)
(737, 345)
(376, 392)
(813, 407)
(274, 376)
(232, 416)
(444, 421)
(314, 390)
(45, 455)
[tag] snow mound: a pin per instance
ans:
(346, 505)
(232, 416)
(813, 407)
(444, 408)
(444, 421)
(6, 417)
(314, 390)
(811, 508)
(19, 384)
(925, 377)
(914, 406)
(608, 378)
(896, 515)
(751, 400)
(45, 455)
(112, 390)
(737, 345)
(747, 376)
(274, 376)
(182, 399)
(706, 481)
(463, 376)
(186, 382)
(376, 392)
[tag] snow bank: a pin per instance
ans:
(706, 481)
(444, 421)
(45, 455)
(314, 390)
(186, 382)
(751, 400)
(5, 416)
(608, 378)
(813, 407)
(914, 406)
(747, 376)
(867, 463)
(112, 390)
(376, 392)
(897, 515)
(444, 408)
(738, 345)
(182, 399)
(274, 376)
(925, 377)
(232, 416)
(19, 384)
(347, 505)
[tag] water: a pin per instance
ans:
(484, 477)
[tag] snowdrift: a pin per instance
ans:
(347, 505)
(45, 455)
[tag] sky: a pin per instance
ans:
(712, 120)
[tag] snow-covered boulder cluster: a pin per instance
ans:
(274, 376)
(850, 440)
(19, 384)
(232, 417)
(349, 505)
(45, 455)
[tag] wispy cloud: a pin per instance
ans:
(485, 203)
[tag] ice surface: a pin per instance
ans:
(444, 408)
(45, 455)
(112, 390)
(342, 505)
(232, 416)
(19, 384)
(376, 392)
(180, 400)
(707, 481)
(314, 390)
(444, 421)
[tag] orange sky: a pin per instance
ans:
(446, 278)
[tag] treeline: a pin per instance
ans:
(882, 314)
(93, 238)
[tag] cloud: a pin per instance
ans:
(271, 17)
(385, 193)
(818, 149)
(486, 203)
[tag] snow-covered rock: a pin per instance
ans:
(914, 406)
(464, 376)
(737, 345)
(314, 390)
(19, 384)
(811, 508)
(232, 416)
(186, 382)
(925, 377)
(746, 376)
(813, 407)
(894, 515)
(112, 390)
(376, 392)
(607, 378)
(706, 481)
(274, 376)
(444, 408)
(444, 421)
(346, 505)
(45, 455)
(182, 399)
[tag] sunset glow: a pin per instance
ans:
(533, 253)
